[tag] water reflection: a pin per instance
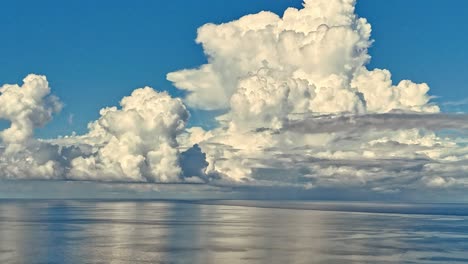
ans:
(176, 232)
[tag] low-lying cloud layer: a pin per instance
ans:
(302, 110)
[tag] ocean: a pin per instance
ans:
(93, 231)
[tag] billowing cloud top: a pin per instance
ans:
(310, 59)
(26, 107)
(302, 110)
(136, 142)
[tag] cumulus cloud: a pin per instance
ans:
(303, 108)
(27, 107)
(136, 142)
(312, 60)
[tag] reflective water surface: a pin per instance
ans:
(231, 232)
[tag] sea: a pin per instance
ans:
(224, 232)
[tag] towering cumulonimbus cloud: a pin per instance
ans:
(309, 60)
(308, 68)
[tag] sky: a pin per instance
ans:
(95, 53)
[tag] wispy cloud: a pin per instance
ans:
(70, 119)
(382, 121)
(462, 102)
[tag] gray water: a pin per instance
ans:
(231, 232)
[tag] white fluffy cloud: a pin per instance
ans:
(302, 108)
(27, 107)
(312, 59)
(136, 142)
(269, 71)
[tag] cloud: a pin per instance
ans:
(437, 181)
(303, 109)
(309, 60)
(385, 121)
(26, 107)
(193, 163)
(136, 142)
(461, 102)
(70, 119)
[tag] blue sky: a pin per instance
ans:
(94, 52)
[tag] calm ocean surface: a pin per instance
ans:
(231, 232)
